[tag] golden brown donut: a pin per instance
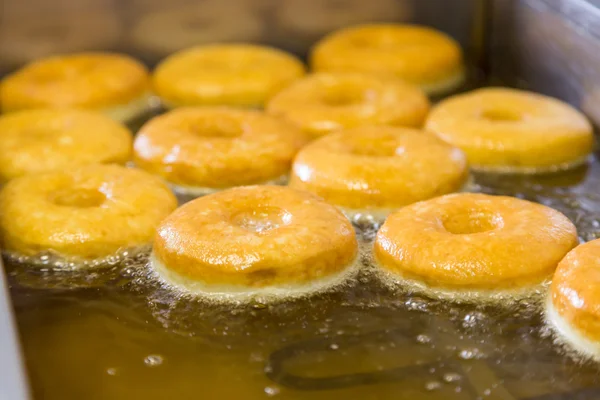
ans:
(114, 84)
(417, 54)
(251, 240)
(373, 170)
(513, 131)
(573, 306)
(243, 75)
(326, 102)
(34, 141)
(83, 214)
(203, 149)
(471, 246)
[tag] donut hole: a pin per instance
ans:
(59, 73)
(343, 95)
(78, 198)
(262, 219)
(217, 128)
(472, 222)
(501, 115)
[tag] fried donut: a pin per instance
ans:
(417, 54)
(225, 74)
(573, 306)
(254, 240)
(82, 215)
(513, 131)
(34, 141)
(113, 84)
(322, 103)
(161, 32)
(375, 170)
(204, 149)
(474, 246)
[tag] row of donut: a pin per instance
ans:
(367, 171)
(281, 238)
(235, 74)
(359, 167)
(31, 31)
(277, 242)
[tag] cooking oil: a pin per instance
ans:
(117, 332)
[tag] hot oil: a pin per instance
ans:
(118, 333)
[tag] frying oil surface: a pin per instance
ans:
(118, 334)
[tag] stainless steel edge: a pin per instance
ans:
(13, 382)
(551, 47)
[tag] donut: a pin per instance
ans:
(310, 19)
(35, 141)
(225, 74)
(374, 170)
(513, 131)
(200, 150)
(572, 307)
(161, 32)
(470, 246)
(271, 240)
(27, 35)
(83, 214)
(111, 83)
(419, 55)
(325, 102)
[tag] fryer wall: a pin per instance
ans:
(551, 47)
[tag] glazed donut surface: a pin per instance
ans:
(253, 237)
(225, 74)
(513, 131)
(573, 306)
(417, 54)
(474, 243)
(83, 214)
(106, 82)
(375, 169)
(34, 141)
(211, 148)
(326, 102)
